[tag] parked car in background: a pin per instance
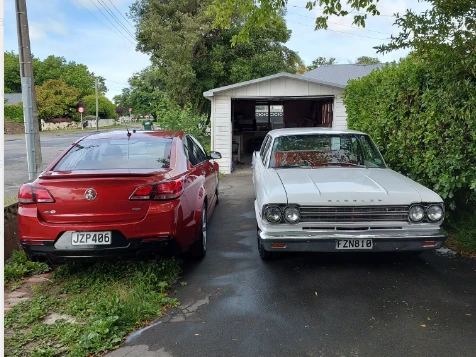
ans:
(324, 190)
(120, 194)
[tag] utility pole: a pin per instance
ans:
(30, 111)
(97, 106)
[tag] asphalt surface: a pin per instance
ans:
(16, 167)
(310, 304)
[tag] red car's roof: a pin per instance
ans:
(122, 133)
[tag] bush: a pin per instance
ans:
(422, 115)
(107, 110)
(14, 112)
(175, 118)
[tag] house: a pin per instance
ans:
(242, 113)
(13, 98)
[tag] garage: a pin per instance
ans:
(243, 113)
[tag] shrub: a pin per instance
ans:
(422, 115)
(14, 112)
(185, 119)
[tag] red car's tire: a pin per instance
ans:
(199, 248)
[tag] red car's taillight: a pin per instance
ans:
(34, 194)
(167, 190)
(142, 193)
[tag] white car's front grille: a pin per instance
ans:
(354, 214)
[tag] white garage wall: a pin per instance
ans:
(340, 115)
(281, 87)
(221, 128)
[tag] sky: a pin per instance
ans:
(79, 31)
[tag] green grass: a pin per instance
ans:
(107, 300)
(18, 266)
(7, 201)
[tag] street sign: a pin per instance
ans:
(81, 110)
(130, 110)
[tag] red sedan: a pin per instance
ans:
(121, 194)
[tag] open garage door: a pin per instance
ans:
(253, 118)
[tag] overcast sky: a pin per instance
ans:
(79, 31)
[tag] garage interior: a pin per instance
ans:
(253, 118)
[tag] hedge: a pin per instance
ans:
(422, 115)
(14, 112)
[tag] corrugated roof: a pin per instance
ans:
(13, 98)
(340, 74)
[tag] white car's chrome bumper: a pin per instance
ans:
(395, 240)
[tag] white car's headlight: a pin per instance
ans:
(273, 214)
(416, 213)
(292, 215)
(434, 213)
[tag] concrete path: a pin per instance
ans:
(310, 304)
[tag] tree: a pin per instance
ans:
(121, 111)
(189, 57)
(12, 82)
(367, 60)
(56, 99)
(321, 61)
(447, 25)
(52, 68)
(107, 110)
(258, 14)
(73, 74)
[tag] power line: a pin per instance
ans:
(354, 12)
(125, 18)
(114, 17)
(336, 23)
(347, 33)
(103, 22)
(97, 7)
(116, 82)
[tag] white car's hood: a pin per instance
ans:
(352, 186)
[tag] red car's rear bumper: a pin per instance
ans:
(164, 228)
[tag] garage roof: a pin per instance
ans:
(340, 74)
(334, 76)
(211, 92)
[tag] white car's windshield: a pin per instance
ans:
(317, 150)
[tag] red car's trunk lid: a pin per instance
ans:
(75, 202)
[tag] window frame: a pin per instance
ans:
(269, 145)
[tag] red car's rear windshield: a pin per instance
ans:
(114, 153)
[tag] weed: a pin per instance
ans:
(16, 286)
(107, 300)
(19, 266)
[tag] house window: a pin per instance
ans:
(262, 114)
(266, 113)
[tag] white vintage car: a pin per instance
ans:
(324, 190)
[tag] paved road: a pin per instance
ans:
(310, 304)
(16, 168)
